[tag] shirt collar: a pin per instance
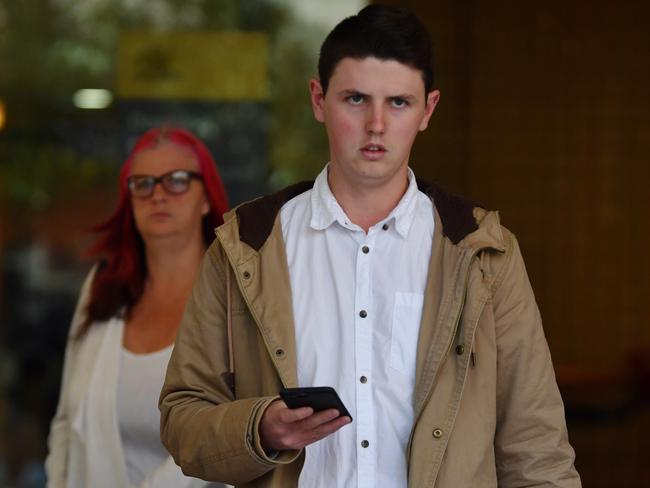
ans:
(404, 213)
(326, 210)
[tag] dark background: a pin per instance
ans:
(545, 116)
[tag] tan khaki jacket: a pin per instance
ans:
(487, 408)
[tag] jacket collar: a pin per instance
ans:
(256, 217)
(463, 222)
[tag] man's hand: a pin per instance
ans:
(284, 428)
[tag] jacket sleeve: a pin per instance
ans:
(59, 437)
(210, 434)
(531, 441)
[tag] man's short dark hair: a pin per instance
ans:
(383, 32)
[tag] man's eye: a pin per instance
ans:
(399, 102)
(355, 99)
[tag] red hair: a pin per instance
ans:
(119, 280)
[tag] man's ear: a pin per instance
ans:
(317, 99)
(432, 100)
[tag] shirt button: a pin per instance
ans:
(365, 249)
(365, 443)
(437, 433)
(363, 314)
(384, 227)
(460, 349)
(363, 379)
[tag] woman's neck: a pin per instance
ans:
(173, 265)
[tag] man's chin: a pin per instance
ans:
(377, 175)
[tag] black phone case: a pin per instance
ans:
(317, 397)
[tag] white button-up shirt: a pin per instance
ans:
(357, 304)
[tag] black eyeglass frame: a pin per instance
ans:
(165, 180)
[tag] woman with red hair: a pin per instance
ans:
(106, 429)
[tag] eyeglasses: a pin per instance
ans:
(174, 182)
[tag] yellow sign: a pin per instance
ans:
(193, 65)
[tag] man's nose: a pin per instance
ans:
(376, 123)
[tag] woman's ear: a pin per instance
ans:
(205, 206)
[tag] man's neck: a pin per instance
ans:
(366, 205)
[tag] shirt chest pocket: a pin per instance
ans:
(407, 314)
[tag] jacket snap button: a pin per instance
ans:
(437, 433)
(460, 349)
(279, 353)
(246, 275)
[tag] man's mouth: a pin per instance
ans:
(374, 148)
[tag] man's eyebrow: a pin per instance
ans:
(350, 91)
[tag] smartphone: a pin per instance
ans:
(317, 397)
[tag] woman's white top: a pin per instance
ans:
(140, 380)
(85, 446)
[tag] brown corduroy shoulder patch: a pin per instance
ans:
(256, 217)
(456, 213)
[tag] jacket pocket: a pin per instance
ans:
(407, 313)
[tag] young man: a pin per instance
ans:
(412, 303)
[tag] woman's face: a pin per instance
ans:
(164, 214)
